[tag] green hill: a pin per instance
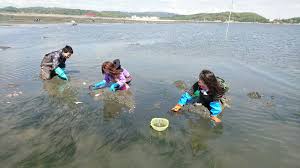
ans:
(295, 20)
(60, 11)
(64, 11)
(157, 14)
(222, 16)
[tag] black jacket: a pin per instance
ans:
(54, 59)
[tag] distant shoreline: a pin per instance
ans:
(33, 18)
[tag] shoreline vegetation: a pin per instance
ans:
(41, 15)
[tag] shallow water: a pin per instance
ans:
(44, 127)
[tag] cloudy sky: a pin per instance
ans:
(267, 8)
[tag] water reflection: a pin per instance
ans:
(55, 127)
(115, 102)
(201, 134)
(111, 109)
(184, 142)
(60, 89)
(47, 129)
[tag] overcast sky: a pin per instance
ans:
(268, 8)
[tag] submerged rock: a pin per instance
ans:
(124, 98)
(157, 105)
(181, 85)
(254, 95)
(202, 110)
(4, 48)
(226, 102)
(11, 86)
(197, 108)
(135, 44)
(269, 104)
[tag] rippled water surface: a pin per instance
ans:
(42, 126)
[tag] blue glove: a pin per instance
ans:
(215, 108)
(114, 86)
(61, 73)
(99, 85)
(185, 97)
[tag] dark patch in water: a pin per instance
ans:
(269, 104)
(135, 44)
(297, 114)
(2, 48)
(181, 85)
(10, 86)
(254, 95)
(124, 98)
(197, 108)
(72, 71)
(58, 151)
(6, 25)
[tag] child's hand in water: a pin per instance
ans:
(176, 108)
(113, 87)
(92, 87)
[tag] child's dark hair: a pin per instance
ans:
(67, 49)
(212, 83)
(117, 63)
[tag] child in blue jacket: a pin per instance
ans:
(209, 92)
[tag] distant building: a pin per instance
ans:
(90, 15)
(144, 18)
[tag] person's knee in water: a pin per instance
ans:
(113, 78)
(54, 63)
(209, 91)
